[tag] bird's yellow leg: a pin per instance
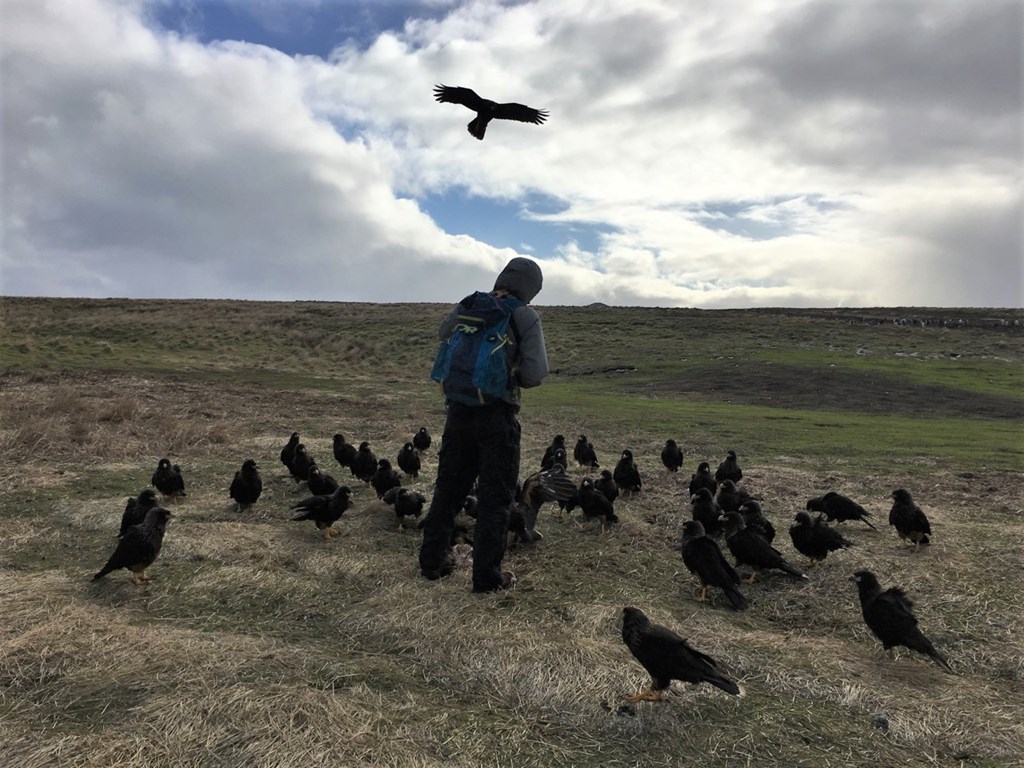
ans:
(752, 579)
(327, 533)
(647, 695)
(702, 596)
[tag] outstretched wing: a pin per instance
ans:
(454, 95)
(520, 112)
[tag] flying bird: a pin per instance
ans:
(729, 469)
(168, 480)
(487, 110)
(666, 656)
(908, 519)
(246, 486)
(890, 617)
(135, 510)
(139, 546)
(704, 559)
(325, 511)
(839, 508)
(672, 456)
(814, 539)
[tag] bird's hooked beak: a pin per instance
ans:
(855, 579)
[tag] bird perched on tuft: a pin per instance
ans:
(421, 439)
(626, 474)
(344, 452)
(246, 486)
(814, 539)
(703, 478)
(666, 656)
(908, 519)
(168, 480)
(557, 444)
(703, 558)
(705, 510)
(584, 453)
(672, 456)
(325, 511)
(135, 509)
(288, 452)
(595, 504)
(301, 462)
(407, 503)
(487, 110)
(605, 483)
(384, 478)
(547, 485)
(750, 549)
(320, 483)
(839, 508)
(365, 462)
(730, 498)
(409, 460)
(890, 617)
(729, 469)
(139, 546)
(756, 521)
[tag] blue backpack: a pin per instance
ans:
(474, 363)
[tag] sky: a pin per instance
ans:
(740, 153)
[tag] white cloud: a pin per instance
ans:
(732, 154)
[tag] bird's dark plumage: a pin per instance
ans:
(365, 463)
(246, 486)
(750, 549)
(301, 462)
(135, 509)
(409, 460)
(325, 510)
(605, 483)
(487, 110)
(626, 474)
(839, 508)
(407, 503)
(288, 452)
(595, 504)
(704, 559)
(756, 521)
(703, 478)
(666, 656)
(139, 546)
(730, 498)
(344, 452)
(384, 478)
(729, 469)
(168, 480)
(548, 459)
(908, 519)
(547, 485)
(890, 617)
(814, 539)
(421, 439)
(672, 456)
(705, 510)
(320, 483)
(584, 453)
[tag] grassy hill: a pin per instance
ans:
(259, 644)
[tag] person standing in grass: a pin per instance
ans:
(481, 436)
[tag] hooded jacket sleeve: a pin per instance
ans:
(532, 366)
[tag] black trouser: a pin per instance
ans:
(479, 442)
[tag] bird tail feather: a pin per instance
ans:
(739, 602)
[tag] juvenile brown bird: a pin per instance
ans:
(139, 546)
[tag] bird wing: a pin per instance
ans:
(447, 94)
(520, 112)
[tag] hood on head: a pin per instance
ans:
(522, 278)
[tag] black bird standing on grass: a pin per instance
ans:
(365, 462)
(814, 539)
(548, 459)
(672, 456)
(168, 480)
(301, 462)
(729, 469)
(890, 617)
(703, 478)
(596, 504)
(750, 549)
(605, 483)
(344, 452)
(139, 546)
(626, 474)
(320, 483)
(421, 439)
(666, 656)
(703, 558)
(584, 453)
(288, 452)
(705, 510)
(756, 521)
(839, 508)
(406, 502)
(246, 486)
(384, 478)
(325, 511)
(487, 110)
(135, 510)
(409, 460)
(730, 498)
(908, 519)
